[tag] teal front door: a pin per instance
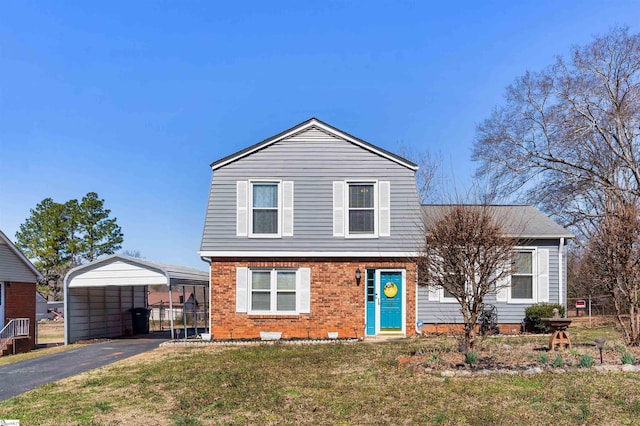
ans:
(390, 292)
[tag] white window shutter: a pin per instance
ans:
(543, 275)
(338, 208)
(287, 208)
(242, 189)
(304, 291)
(384, 208)
(433, 294)
(502, 286)
(242, 290)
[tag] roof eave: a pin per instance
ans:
(302, 126)
(21, 256)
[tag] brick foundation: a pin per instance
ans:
(20, 302)
(337, 303)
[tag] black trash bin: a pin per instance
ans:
(140, 320)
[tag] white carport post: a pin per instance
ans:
(171, 310)
(184, 317)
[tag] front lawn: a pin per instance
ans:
(357, 383)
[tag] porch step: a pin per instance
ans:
(384, 337)
(8, 350)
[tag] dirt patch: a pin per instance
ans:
(50, 332)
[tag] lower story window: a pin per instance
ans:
(273, 291)
(522, 276)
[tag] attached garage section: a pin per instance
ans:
(99, 297)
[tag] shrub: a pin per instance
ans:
(535, 313)
(558, 362)
(627, 358)
(543, 358)
(586, 361)
(471, 358)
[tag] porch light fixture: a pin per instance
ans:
(600, 345)
(358, 276)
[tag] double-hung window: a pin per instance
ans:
(273, 291)
(362, 208)
(265, 208)
(522, 277)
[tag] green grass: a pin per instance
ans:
(320, 384)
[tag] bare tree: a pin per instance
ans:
(568, 139)
(570, 133)
(613, 258)
(467, 254)
(426, 176)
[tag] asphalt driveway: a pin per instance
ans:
(19, 377)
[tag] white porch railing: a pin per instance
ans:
(18, 327)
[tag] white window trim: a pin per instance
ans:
(534, 278)
(273, 291)
(347, 183)
(250, 204)
(443, 299)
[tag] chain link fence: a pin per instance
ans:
(600, 305)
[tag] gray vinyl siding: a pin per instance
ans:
(12, 268)
(102, 312)
(434, 312)
(313, 160)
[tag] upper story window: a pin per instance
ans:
(362, 208)
(265, 209)
(522, 276)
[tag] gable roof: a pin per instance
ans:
(522, 221)
(313, 123)
(4, 240)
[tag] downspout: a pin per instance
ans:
(561, 298)
(208, 323)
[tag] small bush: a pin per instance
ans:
(620, 348)
(586, 361)
(543, 358)
(558, 362)
(535, 313)
(627, 358)
(471, 358)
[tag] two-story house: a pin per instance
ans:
(314, 231)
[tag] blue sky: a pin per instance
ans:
(134, 100)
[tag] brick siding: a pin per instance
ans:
(337, 303)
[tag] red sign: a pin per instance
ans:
(581, 304)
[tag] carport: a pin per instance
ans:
(99, 297)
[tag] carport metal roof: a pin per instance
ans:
(125, 271)
(119, 270)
